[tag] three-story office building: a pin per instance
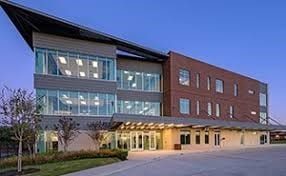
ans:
(157, 100)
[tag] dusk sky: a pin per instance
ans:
(248, 37)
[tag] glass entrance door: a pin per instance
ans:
(217, 139)
(136, 140)
(140, 140)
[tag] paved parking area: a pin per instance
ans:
(244, 162)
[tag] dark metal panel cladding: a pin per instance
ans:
(139, 96)
(139, 66)
(73, 84)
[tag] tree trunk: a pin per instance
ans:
(29, 149)
(65, 147)
(19, 166)
(35, 149)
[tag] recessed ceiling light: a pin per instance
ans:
(126, 72)
(95, 75)
(134, 85)
(68, 102)
(96, 98)
(96, 103)
(95, 64)
(68, 72)
(130, 78)
(79, 62)
(127, 123)
(137, 73)
(63, 60)
(83, 102)
(81, 97)
(128, 107)
(82, 74)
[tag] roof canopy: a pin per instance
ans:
(28, 21)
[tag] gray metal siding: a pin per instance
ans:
(68, 44)
(73, 84)
(139, 96)
(140, 66)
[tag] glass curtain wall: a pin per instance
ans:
(56, 102)
(62, 63)
(132, 80)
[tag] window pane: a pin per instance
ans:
(82, 63)
(52, 62)
(217, 110)
(64, 102)
(52, 102)
(219, 85)
(184, 77)
(206, 137)
(102, 68)
(110, 104)
(41, 96)
(198, 107)
(263, 99)
(110, 69)
(119, 78)
(73, 64)
(63, 63)
(209, 108)
(40, 61)
(93, 68)
(94, 103)
(184, 106)
(138, 107)
(209, 83)
(139, 76)
(102, 104)
(198, 80)
(235, 87)
(83, 103)
(74, 103)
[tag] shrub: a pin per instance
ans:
(61, 156)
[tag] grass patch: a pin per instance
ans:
(65, 167)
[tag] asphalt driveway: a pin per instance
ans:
(244, 162)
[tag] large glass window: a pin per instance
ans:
(76, 103)
(219, 85)
(41, 96)
(198, 78)
(74, 64)
(132, 80)
(138, 107)
(198, 107)
(184, 106)
(263, 118)
(185, 137)
(184, 77)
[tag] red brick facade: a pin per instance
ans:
(243, 104)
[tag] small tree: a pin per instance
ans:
(67, 130)
(97, 132)
(19, 111)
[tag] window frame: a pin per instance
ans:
(219, 86)
(182, 105)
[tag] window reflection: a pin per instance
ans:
(138, 107)
(74, 64)
(138, 81)
(76, 103)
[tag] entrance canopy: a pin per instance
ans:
(163, 122)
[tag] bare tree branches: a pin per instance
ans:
(67, 131)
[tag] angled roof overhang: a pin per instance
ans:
(28, 21)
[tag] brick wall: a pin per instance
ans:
(243, 104)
